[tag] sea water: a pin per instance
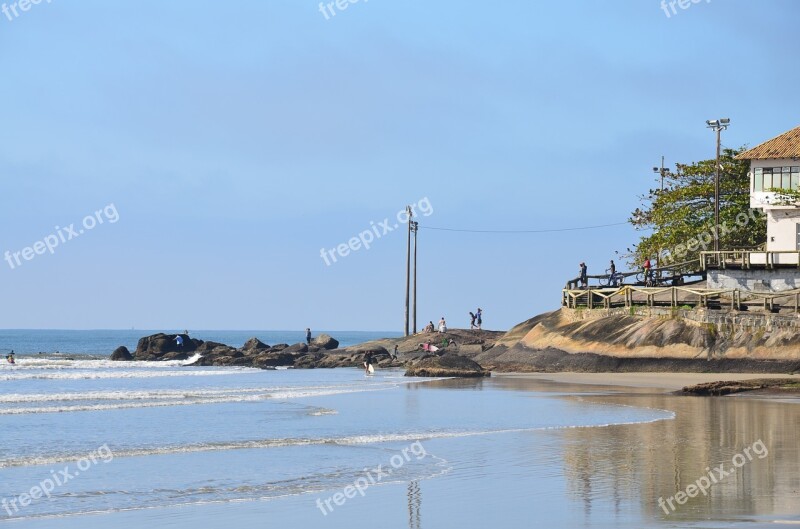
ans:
(163, 444)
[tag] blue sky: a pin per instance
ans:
(237, 139)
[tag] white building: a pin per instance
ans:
(775, 164)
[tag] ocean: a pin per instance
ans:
(87, 443)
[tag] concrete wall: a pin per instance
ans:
(782, 228)
(755, 280)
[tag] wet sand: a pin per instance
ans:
(581, 477)
(666, 381)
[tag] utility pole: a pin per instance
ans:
(408, 266)
(717, 125)
(415, 229)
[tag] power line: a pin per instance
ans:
(525, 231)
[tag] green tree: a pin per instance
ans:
(680, 219)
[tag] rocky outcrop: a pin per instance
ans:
(254, 344)
(448, 365)
(255, 353)
(773, 385)
(121, 354)
(324, 341)
(594, 341)
(165, 347)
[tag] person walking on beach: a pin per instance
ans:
(394, 356)
(367, 362)
(308, 335)
(478, 318)
(442, 325)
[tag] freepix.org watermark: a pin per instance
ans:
(713, 476)
(366, 238)
(668, 6)
(62, 235)
(58, 478)
(372, 476)
(13, 10)
(329, 9)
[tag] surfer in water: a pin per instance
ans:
(367, 362)
(10, 358)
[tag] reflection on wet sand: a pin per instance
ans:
(638, 464)
(658, 460)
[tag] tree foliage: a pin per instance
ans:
(680, 219)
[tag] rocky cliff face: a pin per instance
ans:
(570, 340)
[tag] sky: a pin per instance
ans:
(229, 149)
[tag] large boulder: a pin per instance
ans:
(121, 354)
(299, 347)
(254, 345)
(325, 341)
(448, 365)
(156, 346)
(273, 359)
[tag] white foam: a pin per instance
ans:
(162, 398)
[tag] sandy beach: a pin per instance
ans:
(619, 381)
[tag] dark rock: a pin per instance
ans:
(448, 365)
(326, 342)
(158, 345)
(296, 348)
(308, 361)
(273, 359)
(121, 354)
(254, 344)
(209, 346)
(376, 350)
(177, 355)
(279, 346)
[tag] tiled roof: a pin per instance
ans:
(787, 145)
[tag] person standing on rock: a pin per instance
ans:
(308, 335)
(471, 321)
(179, 340)
(478, 319)
(394, 356)
(442, 325)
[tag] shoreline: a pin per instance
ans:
(666, 381)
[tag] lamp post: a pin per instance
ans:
(663, 172)
(717, 125)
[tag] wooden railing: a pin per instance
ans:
(677, 296)
(629, 295)
(746, 259)
(661, 275)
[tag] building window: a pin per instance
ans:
(766, 178)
